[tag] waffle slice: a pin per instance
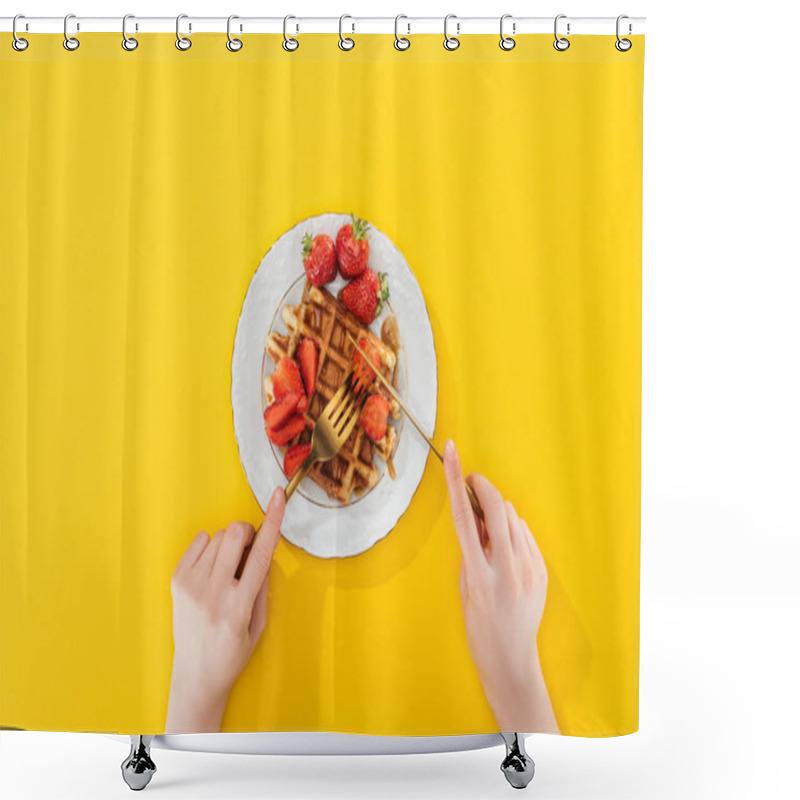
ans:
(320, 316)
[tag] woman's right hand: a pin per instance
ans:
(503, 590)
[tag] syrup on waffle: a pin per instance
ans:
(320, 316)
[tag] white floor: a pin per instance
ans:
(718, 719)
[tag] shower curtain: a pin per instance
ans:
(178, 229)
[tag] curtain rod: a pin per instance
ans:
(407, 25)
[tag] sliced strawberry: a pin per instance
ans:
(374, 416)
(278, 412)
(291, 428)
(302, 405)
(286, 378)
(294, 457)
(362, 373)
(308, 358)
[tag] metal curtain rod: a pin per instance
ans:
(407, 25)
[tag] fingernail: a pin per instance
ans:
(278, 498)
(449, 448)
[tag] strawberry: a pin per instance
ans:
(374, 416)
(365, 295)
(294, 457)
(319, 258)
(362, 374)
(278, 412)
(308, 358)
(291, 428)
(352, 247)
(286, 379)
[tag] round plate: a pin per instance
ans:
(311, 521)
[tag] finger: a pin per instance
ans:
(257, 566)
(237, 536)
(209, 555)
(494, 513)
(535, 551)
(527, 538)
(461, 510)
(193, 551)
(515, 530)
(258, 618)
(462, 583)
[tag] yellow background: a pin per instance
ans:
(139, 193)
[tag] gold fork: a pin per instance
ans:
(334, 425)
(473, 500)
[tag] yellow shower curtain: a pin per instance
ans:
(140, 191)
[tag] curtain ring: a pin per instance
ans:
(182, 42)
(400, 42)
(451, 42)
(345, 42)
(561, 43)
(623, 45)
(507, 42)
(70, 42)
(128, 42)
(290, 44)
(18, 43)
(233, 44)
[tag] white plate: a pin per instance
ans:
(312, 521)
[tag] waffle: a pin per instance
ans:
(325, 319)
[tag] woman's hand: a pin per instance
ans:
(218, 617)
(503, 589)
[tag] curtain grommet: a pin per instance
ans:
(233, 44)
(18, 42)
(129, 43)
(507, 42)
(290, 44)
(622, 44)
(451, 43)
(401, 43)
(183, 43)
(561, 43)
(346, 43)
(71, 43)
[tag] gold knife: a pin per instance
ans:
(389, 388)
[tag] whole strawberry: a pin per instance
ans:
(319, 258)
(352, 247)
(365, 295)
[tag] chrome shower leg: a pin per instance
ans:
(138, 768)
(517, 766)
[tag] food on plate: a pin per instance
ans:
(286, 379)
(352, 247)
(276, 414)
(308, 358)
(375, 416)
(294, 457)
(366, 294)
(362, 373)
(324, 320)
(293, 426)
(319, 258)
(390, 332)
